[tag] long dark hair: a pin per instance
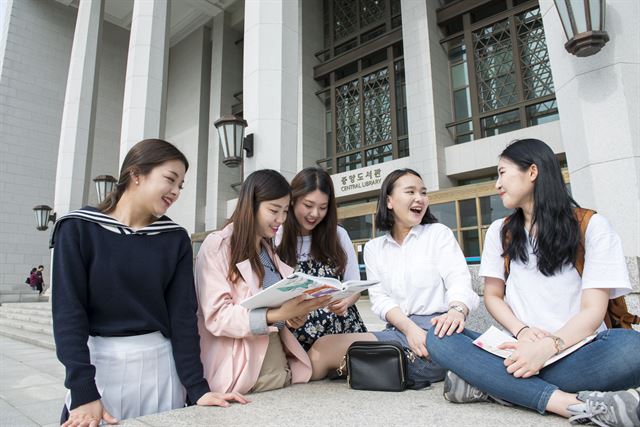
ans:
(140, 160)
(325, 245)
(384, 215)
(260, 186)
(557, 232)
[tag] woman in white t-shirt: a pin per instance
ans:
(546, 305)
(312, 242)
(424, 280)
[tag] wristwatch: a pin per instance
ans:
(459, 309)
(558, 343)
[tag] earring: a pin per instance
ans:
(137, 183)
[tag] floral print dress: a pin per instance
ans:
(322, 321)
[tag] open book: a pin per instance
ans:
(493, 337)
(300, 283)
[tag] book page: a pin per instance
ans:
(300, 283)
(493, 337)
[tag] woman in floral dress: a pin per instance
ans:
(311, 240)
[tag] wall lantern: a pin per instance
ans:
(44, 216)
(583, 23)
(232, 139)
(104, 185)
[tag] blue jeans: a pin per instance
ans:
(420, 369)
(610, 362)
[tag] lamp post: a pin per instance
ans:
(104, 185)
(583, 23)
(232, 139)
(44, 216)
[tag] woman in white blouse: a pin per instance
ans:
(424, 280)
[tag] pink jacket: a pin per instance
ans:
(231, 355)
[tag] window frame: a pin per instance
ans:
(465, 37)
(328, 72)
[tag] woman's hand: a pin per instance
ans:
(340, 307)
(296, 307)
(527, 358)
(448, 323)
(297, 322)
(89, 415)
(532, 334)
(221, 399)
(417, 338)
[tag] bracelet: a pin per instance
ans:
(521, 329)
(459, 309)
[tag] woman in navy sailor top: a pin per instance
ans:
(124, 305)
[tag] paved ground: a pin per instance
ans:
(31, 385)
(32, 392)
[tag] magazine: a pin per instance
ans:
(313, 287)
(493, 337)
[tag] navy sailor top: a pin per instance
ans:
(110, 280)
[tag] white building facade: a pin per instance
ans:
(359, 87)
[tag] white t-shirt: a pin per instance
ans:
(549, 302)
(303, 252)
(421, 276)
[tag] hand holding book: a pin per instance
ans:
(309, 286)
(502, 344)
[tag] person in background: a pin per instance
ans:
(40, 281)
(32, 280)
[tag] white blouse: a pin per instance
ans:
(421, 276)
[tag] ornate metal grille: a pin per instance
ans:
(505, 83)
(348, 117)
(534, 56)
(362, 71)
(377, 107)
(371, 11)
(494, 66)
(345, 18)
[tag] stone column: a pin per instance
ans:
(226, 80)
(600, 117)
(78, 118)
(428, 99)
(270, 86)
(311, 111)
(143, 111)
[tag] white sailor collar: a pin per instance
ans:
(161, 225)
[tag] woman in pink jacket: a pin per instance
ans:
(249, 350)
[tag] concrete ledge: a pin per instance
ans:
(332, 403)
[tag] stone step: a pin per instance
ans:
(27, 326)
(40, 318)
(41, 340)
(21, 297)
(35, 312)
(43, 305)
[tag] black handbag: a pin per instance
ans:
(378, 365)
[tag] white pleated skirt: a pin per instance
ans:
(135, 375)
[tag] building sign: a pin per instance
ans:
(365, 179)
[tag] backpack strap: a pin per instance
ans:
(582, 216)
(505, 249)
